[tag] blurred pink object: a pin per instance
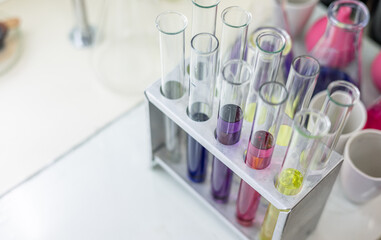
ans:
(376, 71)
(336, 47)
(374, 115)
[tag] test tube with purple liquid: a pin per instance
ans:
(236, 75)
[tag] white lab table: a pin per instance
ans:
(105, 188)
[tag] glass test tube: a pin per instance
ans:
(236, 75)
(339, 102)
(171, 26)
(268, 48)
(287, 53)
(301, 83)
(261, 145)
(233, 37)
(265, 127)
(203, 73)
(204, 15)
(309, 128)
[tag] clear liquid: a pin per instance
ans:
(172, 90)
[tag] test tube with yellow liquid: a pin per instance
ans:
(309, 128)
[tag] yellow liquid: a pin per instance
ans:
(250, 112)
(269, 223)
(289, 181)
(284, 135)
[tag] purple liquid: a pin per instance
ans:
(260, 150)
(229, 125)
(247, 204)
(197, 155)
(221, 181)
(328, 75)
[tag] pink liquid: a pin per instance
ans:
(374, 116)
(247, 204)
(260, 150)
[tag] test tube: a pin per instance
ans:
(268, 48)
(235, 23)
(265, 126)
(171, 26)
(236, 75)
(339, 102)
(261, 144)
(300, 86)
(204, 15)
(203, 73)
(309, 128)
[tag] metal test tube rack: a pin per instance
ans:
(299, 214)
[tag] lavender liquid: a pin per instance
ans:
(197, 155)
(229, 125)
(260, 150)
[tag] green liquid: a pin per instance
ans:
(289, 181)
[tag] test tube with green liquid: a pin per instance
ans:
(309, 127)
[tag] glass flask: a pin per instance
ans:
(203, 74)
(236, 75)
(309, 127)
(339, 49)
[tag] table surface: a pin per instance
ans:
(106, 189)
(103, 188)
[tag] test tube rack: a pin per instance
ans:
(299, 214)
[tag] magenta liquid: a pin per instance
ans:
(229, 125)
(374, 116)
(260, 150)
(247, 204)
